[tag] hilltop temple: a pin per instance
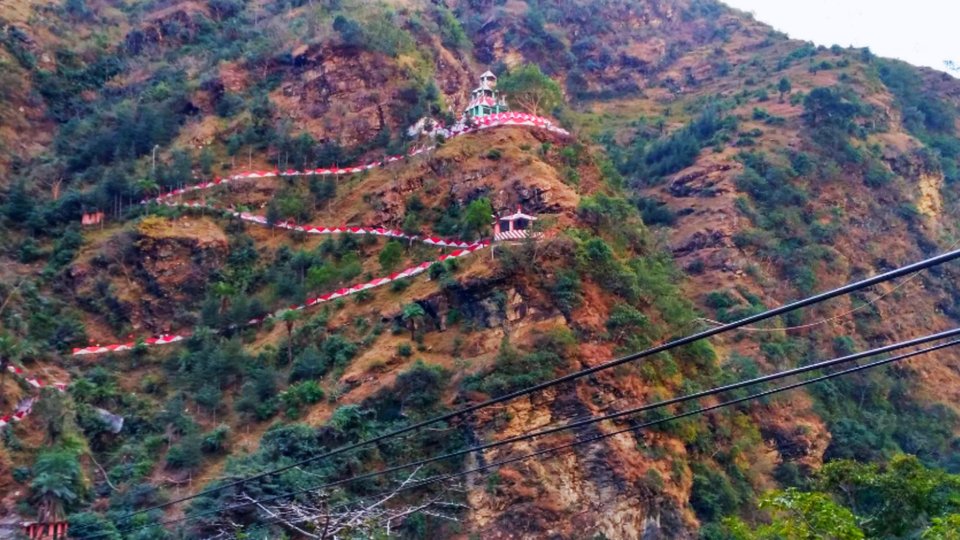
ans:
(487, 108)
(485, 99)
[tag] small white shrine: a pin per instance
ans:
(515, 226)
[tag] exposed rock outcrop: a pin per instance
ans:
(144, 278)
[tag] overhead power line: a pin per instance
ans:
(678, 416)
(567, 446)
(833, 293)
(651, 406)
(627, 412)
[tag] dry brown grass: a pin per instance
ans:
(203, 230)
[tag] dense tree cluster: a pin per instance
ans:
(901, 499)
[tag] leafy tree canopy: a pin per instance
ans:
(531, 89)
(902, 499)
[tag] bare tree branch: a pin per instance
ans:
(391, 495)
(275, 516)
(363, 520)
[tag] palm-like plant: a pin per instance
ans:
(413, 313)
(56, 484)
(223, 291)
(290, 318)
(148, 186)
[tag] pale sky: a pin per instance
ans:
(922, 32)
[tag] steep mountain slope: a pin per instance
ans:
(714, 167)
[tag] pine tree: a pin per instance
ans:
(19, 204)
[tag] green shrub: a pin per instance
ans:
(64, 249)
(528, 88)
(436, 271)
(399, 285)
(420, 386)
(655, 212)
(257, 398)
(186, 454)
(908, 212)
(565, 291)
(720, 300)
(696, 267)
(94, 525)
(877, 175)
(598, 259)
(214, 442)
(830, 107)
(923, 112)
(451, 33)
(391, 255)
(700, 354)
(514, 370)
(209, 396)
(299, 395)
(606, 212)
(350, 31)
(58, 479)
(225, 9)
(844, 345)
(803, 278)
(625, 319)
(739, 367)
(29, 251)
(647, 163)
(229, 105)
(477, 218)
(920, 494)
(712, 495)
(385, 35)
(288, 442)
(19, 205)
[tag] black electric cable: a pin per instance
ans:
(697, 395)
(647, 407)
(833, 293)
(702, 410)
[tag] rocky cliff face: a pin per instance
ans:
(178, 256)
(341, 95)
(148, 279)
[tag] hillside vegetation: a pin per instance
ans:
(714, 168)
